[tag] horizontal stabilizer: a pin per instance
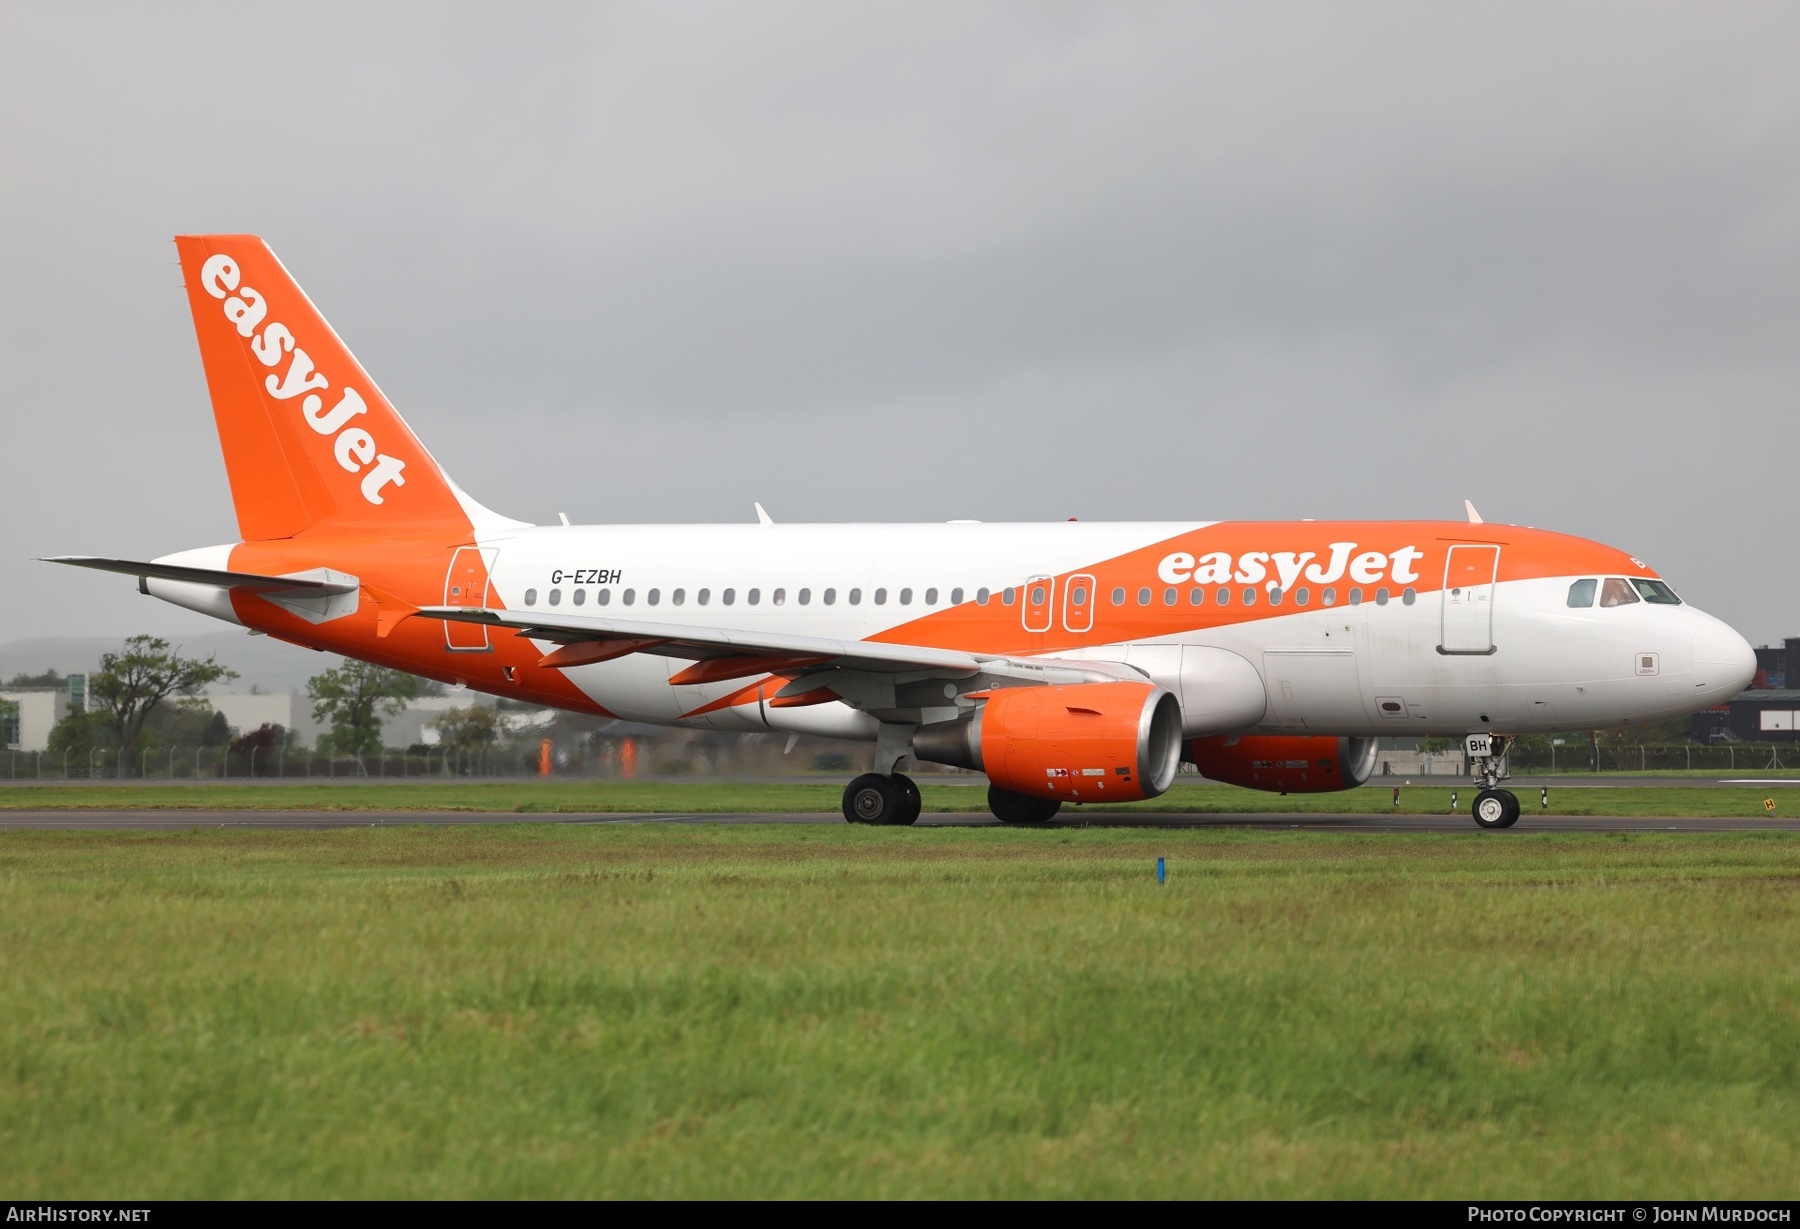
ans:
(317, 582)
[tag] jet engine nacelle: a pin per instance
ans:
(1289, 765)
(1084, 742)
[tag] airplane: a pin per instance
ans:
(1071, 662)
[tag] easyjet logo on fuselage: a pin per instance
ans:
(353, 447)
(1253, 567)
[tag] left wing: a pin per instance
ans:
(866, 674)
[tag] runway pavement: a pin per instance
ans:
(167, 821)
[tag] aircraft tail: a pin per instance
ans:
(311, 445)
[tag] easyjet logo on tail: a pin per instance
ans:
(1252, 567)
(353, 447)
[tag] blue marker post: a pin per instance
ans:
(1161, 871)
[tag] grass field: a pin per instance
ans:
(719, 797)
(645, 1010)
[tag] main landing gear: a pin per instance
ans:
(878, 798)
(1494, 807)
(1011, 808)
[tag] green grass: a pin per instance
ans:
(721, 797)
(838, 1011)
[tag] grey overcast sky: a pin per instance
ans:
(915, 261)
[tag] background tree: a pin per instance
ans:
(75, 736)
(259, 745)
(468, 729)
(131, 685)
(354, 697)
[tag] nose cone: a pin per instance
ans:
(1724, 662)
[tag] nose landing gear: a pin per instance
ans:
(1494, 807)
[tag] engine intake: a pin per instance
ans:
(1288, 765)
(1085, 742)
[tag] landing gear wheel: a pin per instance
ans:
(911, 803)
(1495, 808)
(871, 799)
(1011, 808)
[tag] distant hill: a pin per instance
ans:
(270, 665)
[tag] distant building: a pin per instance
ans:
(28, 715)
(246, 714)
(1772, 665)
(1760, 715)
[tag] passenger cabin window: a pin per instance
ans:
(1617, 591)
(1196, 597)
(1409, 595)
(1249, 597)
(955, 597)
(729, 596)
(1328, 596)
(1078, 595)
(805, 597)
(1008, 596)
(1581, 593)
(1275, 595)
(604, 597)
(1381, 597)
(1656, 592)
(1223, 597)
(531, 597)
(1355, 596)
(703, 597)
(931, 597)
(881, 597)
(856, 597)
(579, 596)
(831, 597)
(1302, 596)
(556, 597)
(754, 596)
(1143, 597)
(654, 596)
(780, 597)
(981, 597)
(1119, 596)
(1169, 597)
(906, 597)
(679, 596)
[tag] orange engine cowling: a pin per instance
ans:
(1085, 742)
(1289, 765)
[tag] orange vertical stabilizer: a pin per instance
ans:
(311, 445)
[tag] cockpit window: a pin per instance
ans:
(1617, 592)
(1656, 592)
(1581, 593)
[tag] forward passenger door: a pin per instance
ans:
(1468, 610)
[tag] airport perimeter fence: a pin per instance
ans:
(1530, 756)
(214, 764)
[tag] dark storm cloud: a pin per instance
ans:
(652, 262)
